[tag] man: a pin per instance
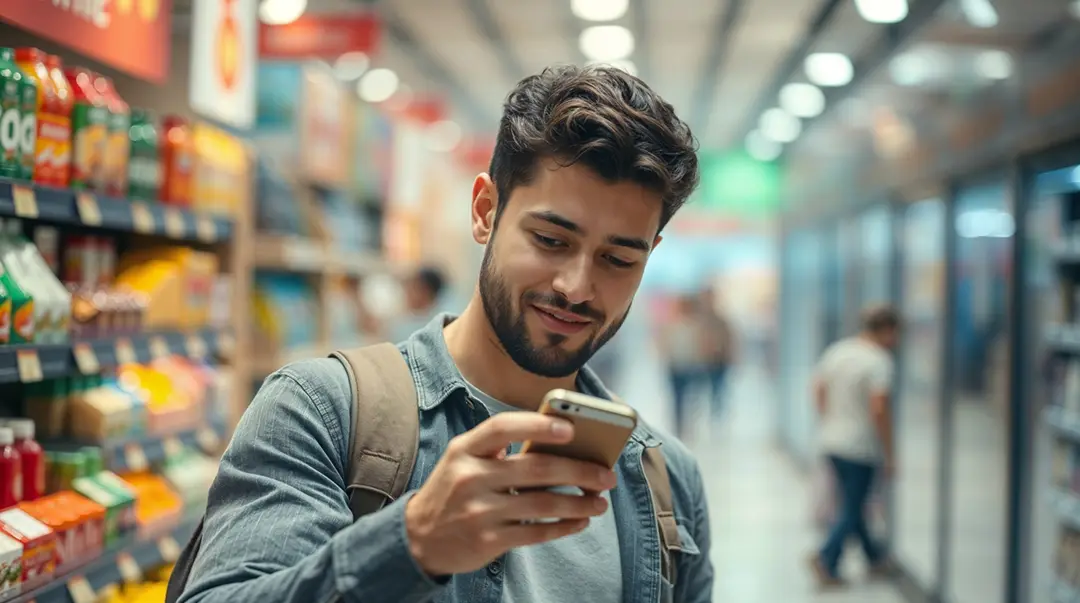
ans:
(588, 166)
(719, 342)
(422, 293)
(853, 385)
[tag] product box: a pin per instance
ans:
(11, 553)
(127, 522)
(38, 543)
(116, 509)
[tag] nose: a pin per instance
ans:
(574, 280)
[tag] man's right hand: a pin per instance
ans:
(465, 515)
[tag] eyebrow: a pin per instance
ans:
(566, 224)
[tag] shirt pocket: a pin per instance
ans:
(686, 551)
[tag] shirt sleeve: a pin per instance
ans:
(882, 375)
(278, 528)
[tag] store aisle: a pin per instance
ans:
(760, 509)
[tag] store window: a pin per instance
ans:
(918, 410)
(978, 541)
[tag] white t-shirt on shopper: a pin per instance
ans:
(853, 370)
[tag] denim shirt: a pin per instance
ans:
(278, 526)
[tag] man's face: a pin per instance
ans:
(889, 338)
(558, 278)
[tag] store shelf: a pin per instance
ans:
(297, 254)
(137, 453)
(69, 207)
(1063, 337)
(1064, 423)
(29, 363)
(148, 553)
(268, 363)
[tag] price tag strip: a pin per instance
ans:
(125, 352)
(86, 359)
(135, 457)
(169, 549)
(206, 229)
(88, 208)
(159, 348)
(81, 591)
(174, 223)
(142, 218)
(173, 446)
(29, 365)
(129, 569)
(196, 347)
(25, 202)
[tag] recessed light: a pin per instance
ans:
(606, 42)
(779, 125)
(882, 11)
(377, 85)
(599, 10)
(830, 69)
(802, 100)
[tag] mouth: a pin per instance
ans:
(562, 322)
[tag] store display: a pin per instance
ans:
(144, 164)
(285, 311)
(13, 87)
(38, 546)
(57, 128)
(178, 161)
(117, 145)
(89, 130)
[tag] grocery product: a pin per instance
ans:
(26, 313)
(109, 491)
(117, 147)
(11, 552)
(174, 283)
(58, 130)
(52, 300)
(11, 481)
(89, 130)
(156, 504)
(32, 456)
(48, 133)
(33, 96)
(11, 89)
(178, 161)
(144, 165)
(38, 543)
(5, 314)
(46, 404)
(76, 522)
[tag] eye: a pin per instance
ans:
(548, 241)
(617, 263)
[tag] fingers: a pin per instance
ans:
(516, 535)
(550, 505)
(536, 470)
(498, 432)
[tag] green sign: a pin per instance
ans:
(737, 183)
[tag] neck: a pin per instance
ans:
(872, 339)
(484, 363)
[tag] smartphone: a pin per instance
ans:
(601, 427)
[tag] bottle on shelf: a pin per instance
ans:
(10, 470)
(178, 159)
(117, 147)
(48, 132)
(11, 117)
(144, 167)
(59, 130)
(33, 458)
(89, 130)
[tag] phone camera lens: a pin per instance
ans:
(565, 406)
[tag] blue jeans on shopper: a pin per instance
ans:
(853, 482)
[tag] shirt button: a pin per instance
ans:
(494, 568)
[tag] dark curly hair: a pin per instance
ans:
(602, 117)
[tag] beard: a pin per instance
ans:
(544, 358)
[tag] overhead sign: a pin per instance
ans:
(223, 61)
(320, 36)
(130, 35)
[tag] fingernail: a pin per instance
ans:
(562, 429)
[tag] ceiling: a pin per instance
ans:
(721, 63)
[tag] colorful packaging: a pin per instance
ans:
(117, 147)
(57, 131)
(178, 159)
(11, 481)
(33, 459)
(24, 312)
(89, 131)
(11, 88)
(39, 546)
(115, 509)
(5, 314)
(42, 137)
(144, 167)
(11, 552)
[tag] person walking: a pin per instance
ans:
(852, 390)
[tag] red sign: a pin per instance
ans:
(320, 36)
(130, 35)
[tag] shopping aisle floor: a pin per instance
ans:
(760, 509)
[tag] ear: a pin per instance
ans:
(656, 243)
(485, 202)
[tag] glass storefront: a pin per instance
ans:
(918, 408)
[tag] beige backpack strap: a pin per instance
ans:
(387, 426)
(660, 485)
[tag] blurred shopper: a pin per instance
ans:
(852, 390)
(682, 342)
(589, 165)
(423, 292)
(718, 347)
